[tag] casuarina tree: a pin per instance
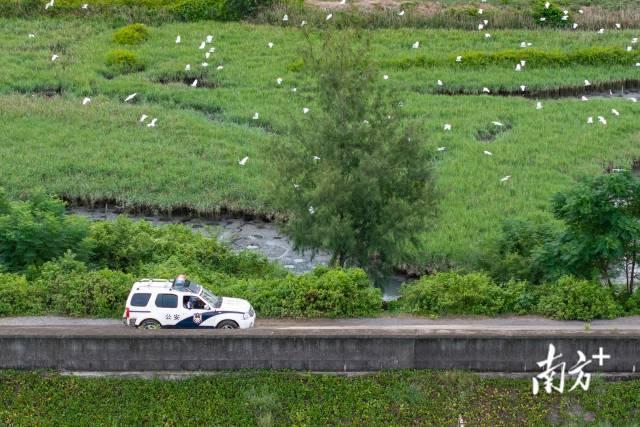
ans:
(602, 217)
(351, 176)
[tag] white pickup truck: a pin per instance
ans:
(158, 303)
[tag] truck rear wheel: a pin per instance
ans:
(150, 324)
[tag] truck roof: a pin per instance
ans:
(164, 284)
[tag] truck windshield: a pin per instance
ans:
(212, 299)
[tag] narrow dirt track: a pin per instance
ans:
(400, 324)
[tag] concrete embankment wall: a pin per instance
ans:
(336, 352)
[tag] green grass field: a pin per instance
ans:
(100, 151)
(286, 398)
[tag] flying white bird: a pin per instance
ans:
(311, 210)
(195, 83)
(415, 45)
(441, 148)
(565, 12)
(279, 80)
(294, 89)
(518, 67)
(305, 110)
(564, 17)
(480, 11)
(207, 55)
(447, 126)
(212, 49)
(401, 13)
(615, 112)
(178, 39)
(488, 153)
(209, 38)
(634, 40)
(546, 5)
(285, 18)
(202, 45)
(316, 158)
(143, 118)
(296, 186)
(523, 44)
(486, 90)
(86, 100)
(270, 45)
(633, 99)
(486, 21)
(487, 35)
(601, 31)
(480, 27)
(629, 48)
(220, 67)
(243, 161)
(637, 64)
(587, 83)
(602, 120)
(584, 98)
(497, 123)
(575, 25)
(523, 88)
(618, 26)
(589, 120)
(439, 82)
(256, 116)
(303, 23)
(386, 77)
(505, 178)
(153, 122)
(458, 58)
(539, 105)
(31, 35)
(543, 19)
(343, 1)
(187, 67)
(48, 5)
(329, 16)
(205, 64)
(85, 6)
(580, 11)
(54, 57)
(523, 62)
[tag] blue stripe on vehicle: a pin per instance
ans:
(189, 323)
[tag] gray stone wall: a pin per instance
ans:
(320, 352)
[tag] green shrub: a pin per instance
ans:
(72, 289)
(195, 10)
(131, 34)
(37, 230)
(295, 66)
(321, 293)
(453, 293)
(631, 303)
(520, 297)
(552, 15)
(139, 247)
(122, 61)
(18, 297)
(574, 299)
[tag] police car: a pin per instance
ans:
(160, 303)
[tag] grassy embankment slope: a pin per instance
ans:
(262, 398)
(101, 151)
